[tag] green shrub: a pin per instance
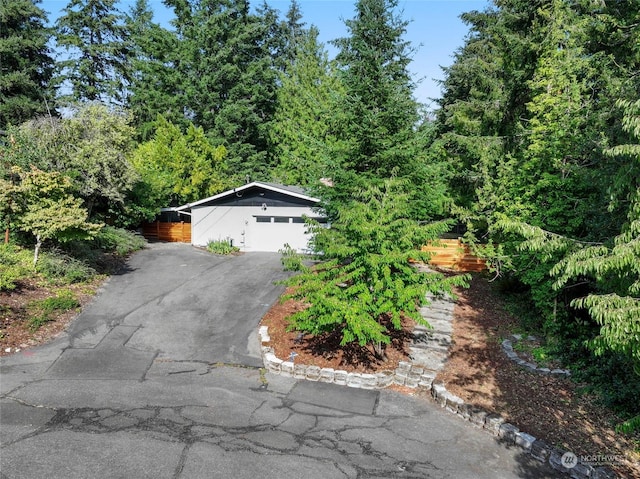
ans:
(118, 240)
(9, 275)
(221, 247)
(42, 311)
(15, 264)
(291, 260)
(60, 268)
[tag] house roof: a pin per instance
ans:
(294, 191)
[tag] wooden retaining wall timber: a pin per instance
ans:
(172, 232)
(453, 254)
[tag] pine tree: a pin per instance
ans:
(230, 76)
(302, 134)
(96, 65)
(155, 81)
(379, 110)
(555, 179)
(294, 33)
(26, 65)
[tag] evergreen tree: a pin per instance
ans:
(155, 80)
(303, 131)
(294, 33)
(230, 77)
(564, 142)
(96, 63)
(26, 65)
(378, 107)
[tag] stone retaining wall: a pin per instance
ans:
(507, 347)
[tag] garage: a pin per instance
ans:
(257, 216)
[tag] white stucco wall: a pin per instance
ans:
(239, 223)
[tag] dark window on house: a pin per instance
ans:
(263, 219)
(281, 219)
(298, 220)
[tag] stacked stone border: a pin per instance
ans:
(507, 347)
(412, 376)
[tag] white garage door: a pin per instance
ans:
(271, 233)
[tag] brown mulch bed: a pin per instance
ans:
(325, 350)
(15, 333)
(547, 407)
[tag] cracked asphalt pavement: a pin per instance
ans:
(160, 377)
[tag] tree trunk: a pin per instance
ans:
(6, 235)
(37, 251)
(378, 351)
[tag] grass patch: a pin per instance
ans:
(44, 310)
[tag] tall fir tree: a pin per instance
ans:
(155, 81)
(96, 61)
(294, 33)
(26, 65)
(303, 131)
(379, 110)
(377, 118)
(229, 75)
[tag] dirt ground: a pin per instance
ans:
(15, 334)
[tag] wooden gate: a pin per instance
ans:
(453, 254)
(173, 232)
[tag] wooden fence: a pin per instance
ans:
(453, 254)
(173, 232)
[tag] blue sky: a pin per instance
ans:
(435, 29)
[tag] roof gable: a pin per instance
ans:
(247, 195)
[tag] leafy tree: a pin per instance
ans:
(302, 134)
(45, 206)
(366, 282)
(90, 147)
(26, 65)
(96, 67)
(177, 168)
(616, 268)
(98, 164)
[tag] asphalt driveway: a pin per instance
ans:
(187, 304)
(160, 378)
